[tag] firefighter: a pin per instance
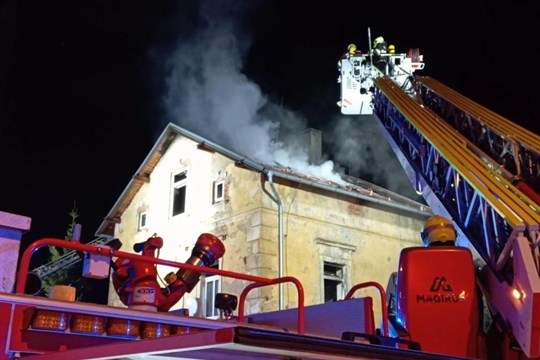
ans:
(380, 50)
(379, 46)
(391, 64)
(351, 51)
(438, 231)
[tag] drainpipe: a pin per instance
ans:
(277, 200)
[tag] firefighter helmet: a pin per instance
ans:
(351, 49)
(438, 229)
(378, 40)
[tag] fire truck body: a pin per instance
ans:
(43, 328)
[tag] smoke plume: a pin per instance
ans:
(207, 93)
(359, 145)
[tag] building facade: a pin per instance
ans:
(271, 220)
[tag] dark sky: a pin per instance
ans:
(86, 85)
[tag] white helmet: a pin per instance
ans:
(378, 40)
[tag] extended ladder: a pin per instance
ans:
(458, 180)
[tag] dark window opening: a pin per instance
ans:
(330, 290)
(219, 191)
(179, 204)
(180, 177)
(333, 281)
(142, 221)
(179, 196)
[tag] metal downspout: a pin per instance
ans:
(277, 200)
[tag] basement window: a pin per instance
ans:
(179, 193)
(333, 281)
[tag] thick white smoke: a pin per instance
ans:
(207, 93)
(358, 143)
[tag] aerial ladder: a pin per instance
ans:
(471, 165)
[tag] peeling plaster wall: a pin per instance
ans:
(363, 237)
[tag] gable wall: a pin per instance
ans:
(366, 239)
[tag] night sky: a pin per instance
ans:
(84, 83)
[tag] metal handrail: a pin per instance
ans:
(281, 280)
(384, 300)
(110, 252)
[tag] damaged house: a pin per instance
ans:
(273, 221)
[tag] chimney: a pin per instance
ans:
(312, 140)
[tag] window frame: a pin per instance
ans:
(210, 302)
(179, 192)
(337, 279)
(142, 220)
(218, 196)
